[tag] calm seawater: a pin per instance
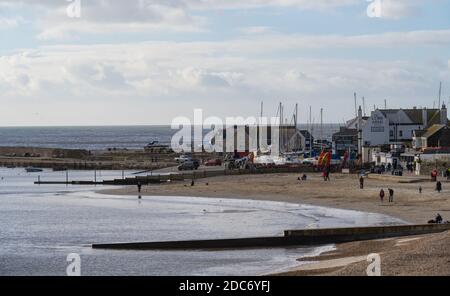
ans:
(98, 137)
(41, 225)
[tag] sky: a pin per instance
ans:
(146, 61)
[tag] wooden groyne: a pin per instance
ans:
(291, 238)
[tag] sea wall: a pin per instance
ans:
(43, 152)
(304, 237)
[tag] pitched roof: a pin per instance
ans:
(355, 120)
(306, 134)
(346, 132)
(416, 115)
(432, 130)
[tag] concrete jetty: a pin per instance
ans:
(291, 238)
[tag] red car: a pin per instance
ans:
(214, 162)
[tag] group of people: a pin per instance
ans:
(435, 173)
(410, 167)
(383, 194)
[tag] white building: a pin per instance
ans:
(397, 126)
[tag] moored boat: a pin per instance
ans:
(33, 170)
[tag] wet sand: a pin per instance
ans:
(424, 255)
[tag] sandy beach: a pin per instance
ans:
(423, 255)
(341, 192)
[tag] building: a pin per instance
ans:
(398, 126)
(436, 136)
(291, 139)
(309, 140)
(353, 123)
(346, 140)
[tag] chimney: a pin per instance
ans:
(443, 112)
(425, 117)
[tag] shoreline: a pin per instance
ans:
(341, 193)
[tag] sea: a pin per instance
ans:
(104, 137)
(40, 225)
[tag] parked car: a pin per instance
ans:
(309, 161)
(214, 162)
(189, 165)
(183, 158)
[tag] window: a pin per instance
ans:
(401, 133)
(391, 133)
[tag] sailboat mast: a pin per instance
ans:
(310, 132)
(440, 93)
(321, 129)
(262, 109)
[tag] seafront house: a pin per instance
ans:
(387, 133)
(346, 140)
(398, 126)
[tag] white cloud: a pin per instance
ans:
(217, 76)
(396, 9)
(106, 16)
(236, 4)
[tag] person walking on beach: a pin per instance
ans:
(439, 186)
(139, 186)
(434, 174)
(391, 195)
(382, 195)
(361, 182)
